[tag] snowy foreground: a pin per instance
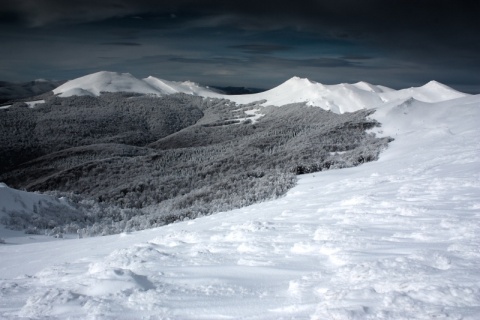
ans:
(394, 239)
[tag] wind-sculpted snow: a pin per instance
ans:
(397, 238)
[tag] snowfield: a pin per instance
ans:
(398, 238)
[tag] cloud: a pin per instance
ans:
(391, 23)
(128, 44)
(396, 26)
(359, 39)
(356, 57)
(261, 48)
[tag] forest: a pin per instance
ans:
(128, 162)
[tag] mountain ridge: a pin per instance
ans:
(338, 98)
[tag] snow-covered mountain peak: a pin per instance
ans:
(299, 81)
(106, 81)
(435, 84)
(441, 89)
(431, 92)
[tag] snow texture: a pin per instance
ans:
(398, 238)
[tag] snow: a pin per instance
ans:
(344, 97)
(372, 88)
(22, 201)
(33, 104)
(254, 115)
(398, 238)
(30, 104)
(188, 87)
(104, 81)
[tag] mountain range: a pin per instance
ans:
(337, 98)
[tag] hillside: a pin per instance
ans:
(144, 153)
(131, 161)
(395, 238)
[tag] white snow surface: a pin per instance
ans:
(398, 238)
(338, 98)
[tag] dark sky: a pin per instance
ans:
(397, 43)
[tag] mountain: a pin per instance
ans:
(338, 98)
(104, 81)
(396, 238)
(345, 97)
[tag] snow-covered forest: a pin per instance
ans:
(129, 162)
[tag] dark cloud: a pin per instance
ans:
(373, 39)
(265, 61)
(261, 48)
(356, 57)
(128, 44)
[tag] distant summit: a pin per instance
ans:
(346, 97)
(105, 81)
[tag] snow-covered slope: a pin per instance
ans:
(430, 92)
(12, 200)
(398, 238)
(188, 87)
(104, 81)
